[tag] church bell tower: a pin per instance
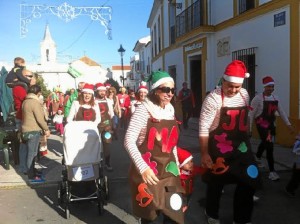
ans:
(48, 48)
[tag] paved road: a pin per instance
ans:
(21, 203)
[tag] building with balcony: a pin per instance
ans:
(194, 40)
(141, 62)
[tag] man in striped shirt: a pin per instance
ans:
(225, 145)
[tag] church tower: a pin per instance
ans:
(48, 48)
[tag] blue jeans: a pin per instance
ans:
(23, 158)
(32, 150)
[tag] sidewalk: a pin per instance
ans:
(188, 139)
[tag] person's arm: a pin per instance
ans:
(40, 119)
(110, 108)
(137, 126)
(73, 111)
(98, 115)
(207, 116)
(255, 105)
(284, 117)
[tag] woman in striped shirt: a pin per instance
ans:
(225, 146)
(151, 140)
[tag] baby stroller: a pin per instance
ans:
(82, 164)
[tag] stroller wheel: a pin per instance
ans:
(105, 188)
(100, 205)
(67, 212)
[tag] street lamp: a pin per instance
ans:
(121, 51)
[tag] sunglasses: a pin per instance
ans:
(165, 89)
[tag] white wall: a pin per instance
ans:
(272, 55)
(220, 11)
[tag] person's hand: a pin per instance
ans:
(149, 177)
(47, 133)
(206, 161)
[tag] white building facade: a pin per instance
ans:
(194, 40)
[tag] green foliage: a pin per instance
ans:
(45, 91)
(113, 83)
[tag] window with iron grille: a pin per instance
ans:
(248, 57)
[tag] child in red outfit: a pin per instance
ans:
(188, 171)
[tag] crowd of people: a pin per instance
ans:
(161, 173)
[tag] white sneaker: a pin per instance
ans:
(273, 176)
(211, 220)
(259, 162)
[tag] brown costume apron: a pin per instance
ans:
(156, 150)
(265, 121)
(85, 114)
(230, 149)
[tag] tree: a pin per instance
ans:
(113, 83)
(41, 83)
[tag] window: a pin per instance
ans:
(248, 57)
(155, 40)
(245, 5)
(158, 35)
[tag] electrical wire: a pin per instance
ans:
(83, 32)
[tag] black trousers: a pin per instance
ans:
(295, 179)
(266, 145)
(242, 201)
(186, 114)
(165, 220)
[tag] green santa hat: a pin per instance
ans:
(159, 77)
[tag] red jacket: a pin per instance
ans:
(19, 94)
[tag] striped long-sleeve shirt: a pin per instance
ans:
(211, 107)
(258, 104)
(137, 129)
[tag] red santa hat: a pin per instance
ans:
(236, 72)
(268, 80)
(88, 88)
(184, 156)
(107, 85)
(60, 109)
(143, 87)
(100, 86)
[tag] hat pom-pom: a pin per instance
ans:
(143, 83)
(247, 75)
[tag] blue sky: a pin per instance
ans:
(78, 37)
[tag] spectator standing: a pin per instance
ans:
(264, 106)
(154, 174)
(33, 124)
(187, 100)
(19, 95)
(225, 146)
